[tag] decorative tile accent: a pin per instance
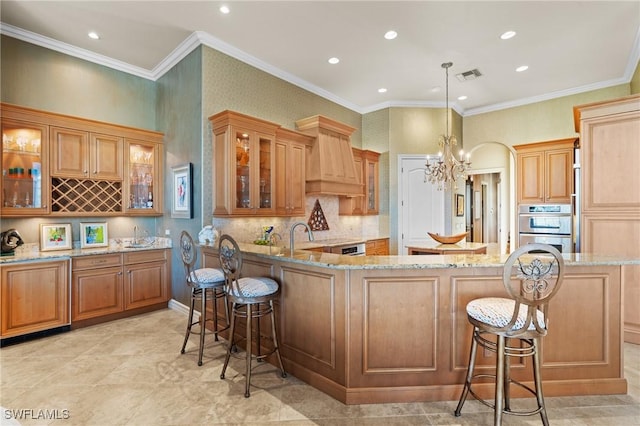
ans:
(317, 221)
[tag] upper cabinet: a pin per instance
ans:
(290, 172)
(68, 166)
(25, 175)
(244, 159)
(545, 172)
(367, 169)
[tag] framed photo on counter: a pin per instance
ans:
(93, 235)
(182, 194)
(55, 236)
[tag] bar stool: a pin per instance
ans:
(206, 284)
(251, 298)
(532, 275)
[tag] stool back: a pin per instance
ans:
(189, 257)
(532, 275)
(230, 262)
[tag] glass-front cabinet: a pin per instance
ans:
(141, 188)
(25, 178)
(244, 165)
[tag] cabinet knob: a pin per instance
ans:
(119, 273)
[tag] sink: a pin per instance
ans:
(138, 245)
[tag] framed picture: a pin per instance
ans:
(459, 205)
(55, 236)
(93, 235)
(182, 197)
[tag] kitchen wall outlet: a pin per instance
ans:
(167, 232)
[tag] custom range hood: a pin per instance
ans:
(330, 167)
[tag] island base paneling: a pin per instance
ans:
(382, 335)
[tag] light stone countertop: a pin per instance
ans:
(31, 253)
(337, 261)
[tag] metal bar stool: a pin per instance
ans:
(251, 298)
(206, 284)
(532, 275)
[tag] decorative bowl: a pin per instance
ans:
(447, 239)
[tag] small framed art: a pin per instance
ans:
(459, 205)
(55, 236)
(93, 235)
(182, 196)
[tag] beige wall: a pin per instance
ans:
(635, 81)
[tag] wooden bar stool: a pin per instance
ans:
(252, 298)
(206, 284)
(532, 275)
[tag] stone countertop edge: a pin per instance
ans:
(336, 261)
(31, 252)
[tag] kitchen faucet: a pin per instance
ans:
(135, 234)
(293, 227)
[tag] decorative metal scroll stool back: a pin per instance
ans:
(532, 275)
(206, 284)
(251, 298)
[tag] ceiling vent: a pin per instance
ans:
(469, 75)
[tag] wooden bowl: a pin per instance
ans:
(447, 239)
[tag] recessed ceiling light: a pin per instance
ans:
(224, 9)
(462, 98)
(436, 89)
(334, 60)
(94, 35)
(522, 68)
(382, 90)
(390, 35)
(507, 35)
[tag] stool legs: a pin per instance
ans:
(500, 384)
(202, 292)
(538, 382)
(467, 380)
(190, 321)
(250, 313)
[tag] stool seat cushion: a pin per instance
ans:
(497, 312)
(253, 287)
(207, 276)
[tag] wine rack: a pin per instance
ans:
(85, 196)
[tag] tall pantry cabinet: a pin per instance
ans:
(610, 206)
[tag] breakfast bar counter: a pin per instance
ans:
(457, 248)
(376, 329)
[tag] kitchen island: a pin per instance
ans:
(374, 329)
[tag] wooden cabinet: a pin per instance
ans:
(378, 247)
(545, 172)
(610, 194)
(34, 297)
(289, 185)
(84, 155)
(143, 182)
(146, 281)
(78, 167)
(96, 286)
(25, 176)
(244, 162)
(118, 283)
(367, 170)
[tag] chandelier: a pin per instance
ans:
(445, 169)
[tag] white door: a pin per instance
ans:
(421, 204)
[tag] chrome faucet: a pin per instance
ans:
(293, 227)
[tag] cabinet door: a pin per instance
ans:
(530, 177)
(145, 284)
(25, 169)
(558, 176)
(96, 292)
(143, 180)
(296, 179)
(69, 153)
(254, 177)
(35, 297)
(355, 205)
(106, 157)
(370, 178)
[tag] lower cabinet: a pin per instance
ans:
(34, 297)
(379, 247)
(115, 283)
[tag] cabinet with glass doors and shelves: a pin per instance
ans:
(141, 183)
(244, 164)
(24, 181)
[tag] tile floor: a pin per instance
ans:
(131, 372)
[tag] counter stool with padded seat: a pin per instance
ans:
(206, 284)
(532, 275)
(251, 298)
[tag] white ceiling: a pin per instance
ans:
(570, 47)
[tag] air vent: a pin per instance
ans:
(469, 75)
